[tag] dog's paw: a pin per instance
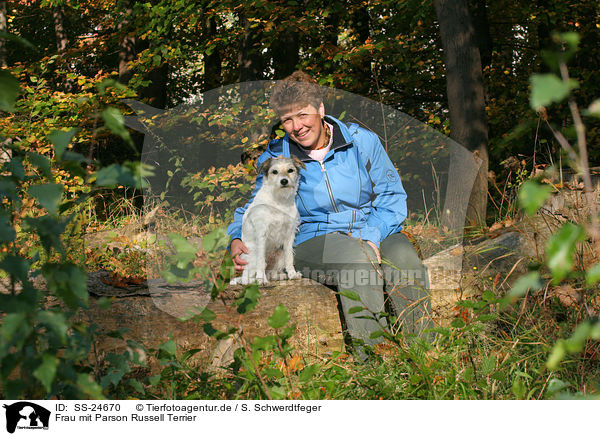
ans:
(294, 275)
(261, 278)
(236, 281)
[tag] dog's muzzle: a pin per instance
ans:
(284, 182)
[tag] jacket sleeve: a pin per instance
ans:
(235, 228)
(388, 204)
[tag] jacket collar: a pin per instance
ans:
(341, 138)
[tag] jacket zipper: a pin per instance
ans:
(324, 171)
(352, 222)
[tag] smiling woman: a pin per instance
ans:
(352, 205)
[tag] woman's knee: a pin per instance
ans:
(399, 251)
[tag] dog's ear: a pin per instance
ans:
(298, 163)
(264, 167)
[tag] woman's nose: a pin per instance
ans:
(297, 124)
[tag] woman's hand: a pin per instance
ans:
(237, 248)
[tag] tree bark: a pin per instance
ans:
(285, 54)
(464, 84)
(482, 31)
(3, 28)
(59, 28)
(126, 47)
(212, 62)
(250, 58)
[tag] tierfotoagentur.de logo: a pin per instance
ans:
(26, 416)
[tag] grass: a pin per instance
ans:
(487, 352)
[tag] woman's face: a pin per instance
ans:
(304, 125)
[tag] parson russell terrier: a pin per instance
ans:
(270, 223)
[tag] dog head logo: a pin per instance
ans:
(26, 415)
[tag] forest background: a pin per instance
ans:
(465, 68)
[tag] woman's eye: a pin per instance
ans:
(274, 172)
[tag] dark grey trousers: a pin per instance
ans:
(339, 260)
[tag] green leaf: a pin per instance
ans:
(547, 89)
(154, 380)
(68, 282)
(592, 275)
(186, 251)
(9, 91)
(14, 326)
(56, 322)
(519, 388)
(594, 109)
(88, 387)
(570, 38)
(49, 195)
(530, 281)
(279, 318)
(114, 175)
(137, 386)
(351, 295)
(555, 386)
(218, 239)
(355, 309)
(248, 298)
(560, 250)
(7, 232)
(207, 315)
(308, 373)
(532, 196)
(16, 266)
(41, 162)
(457, 323)
(488, 296)
(8, 188)
(377, 334)
(114, 120)
(61, 139)
(170, 347)
(264, 343)
(46, 372)
(488, 365)
(15, 167)
(129, 174)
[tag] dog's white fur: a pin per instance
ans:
(270, 223)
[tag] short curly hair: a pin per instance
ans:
(298, 89)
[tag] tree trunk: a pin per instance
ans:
(59, 28)
(126, 47)
(250, 58)
(285, 54)
(464, 84)
(212, 62)
(482, 31)
(155, 94)
(3, 28)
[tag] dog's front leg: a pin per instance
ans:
(261, 261)
(288, 257)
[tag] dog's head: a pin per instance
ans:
(282, 172)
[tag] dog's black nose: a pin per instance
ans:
(284, 182)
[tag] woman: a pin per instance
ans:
(352, 205)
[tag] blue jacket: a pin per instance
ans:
(356, 190)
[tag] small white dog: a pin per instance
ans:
(270, 223)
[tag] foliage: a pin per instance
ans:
(563, 245)
(43, 349)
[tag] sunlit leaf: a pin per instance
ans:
(560, 250)
(279, 318)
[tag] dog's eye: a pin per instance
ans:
(274, 172)
(291, 170)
